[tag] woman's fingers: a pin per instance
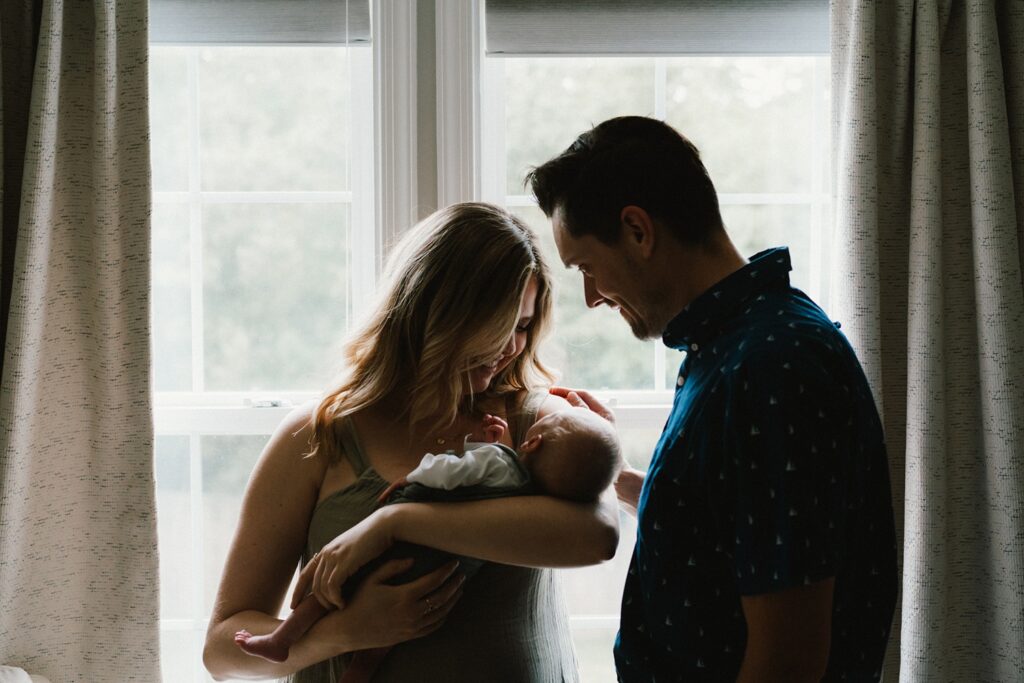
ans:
(318, 585)
(444, 594)
(390, 570)
(433, 618)
(427, 584)
(305, 580)
(332, 588)
(584, 399)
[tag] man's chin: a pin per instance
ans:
(638, 327)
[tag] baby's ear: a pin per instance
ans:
(531, 444)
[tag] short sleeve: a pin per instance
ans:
(780, 504)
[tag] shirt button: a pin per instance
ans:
(694, 347)
(680, 380)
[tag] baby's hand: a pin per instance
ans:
(494, 428)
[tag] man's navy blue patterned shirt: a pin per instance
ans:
(771, 473)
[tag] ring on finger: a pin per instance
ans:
(430, 605)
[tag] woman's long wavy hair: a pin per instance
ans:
(449, 302)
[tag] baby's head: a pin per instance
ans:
(572, 453)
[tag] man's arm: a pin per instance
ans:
(627, 487)
(788, 634)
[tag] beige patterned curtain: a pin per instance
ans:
(78, 564)
(929, 140)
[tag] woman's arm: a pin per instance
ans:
(264, 552)
(534, 531)
(268, 542)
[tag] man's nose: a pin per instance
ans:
(590, 293)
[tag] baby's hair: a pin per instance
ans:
(586, 459)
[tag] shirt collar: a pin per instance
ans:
(702, 316)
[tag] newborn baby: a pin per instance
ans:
(572, 454)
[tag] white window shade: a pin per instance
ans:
(254, 22)
(553, 27)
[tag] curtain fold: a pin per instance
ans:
(78, 563)
(929, 140)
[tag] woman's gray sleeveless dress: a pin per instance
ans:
(510, 626)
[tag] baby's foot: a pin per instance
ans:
(261, 646)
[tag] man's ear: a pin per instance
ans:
(639, 229)
(531, 444)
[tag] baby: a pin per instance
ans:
(571, 454)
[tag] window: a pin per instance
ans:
(260, 166)
(761, 125)
(263, 149)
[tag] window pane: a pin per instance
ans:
(275, 283)
(180, 655)
(168, 116)
(227, 463)
(673, 361)
(751, 118)
(597, 590)
(172, 308)
(274, 118)
(551, 101)
(595, 348)
(638, 442)
(755, 228)
(174, 526)
(594, 650)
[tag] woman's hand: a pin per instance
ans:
(578, 398)
(327, 571)
(388, 614)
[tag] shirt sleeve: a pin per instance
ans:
(486, 466)
(780, 502)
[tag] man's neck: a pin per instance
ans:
(698, 269)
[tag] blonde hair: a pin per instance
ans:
(449, 301)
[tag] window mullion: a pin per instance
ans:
(458, 58)
(394, 87)
(195, 223)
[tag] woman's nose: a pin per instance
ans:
(510, 346)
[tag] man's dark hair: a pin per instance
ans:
(630, 160)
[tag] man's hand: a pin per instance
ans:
(578, 398)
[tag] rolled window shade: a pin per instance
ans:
(248, 22)
(532, 27)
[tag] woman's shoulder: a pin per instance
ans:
(291, 442)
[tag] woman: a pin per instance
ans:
(454, 337)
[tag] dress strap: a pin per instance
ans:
(350, 445)
(524, 415)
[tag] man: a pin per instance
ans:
(765, 542)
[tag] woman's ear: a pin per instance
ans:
(531, 444)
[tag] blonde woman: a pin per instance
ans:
(454, 337)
